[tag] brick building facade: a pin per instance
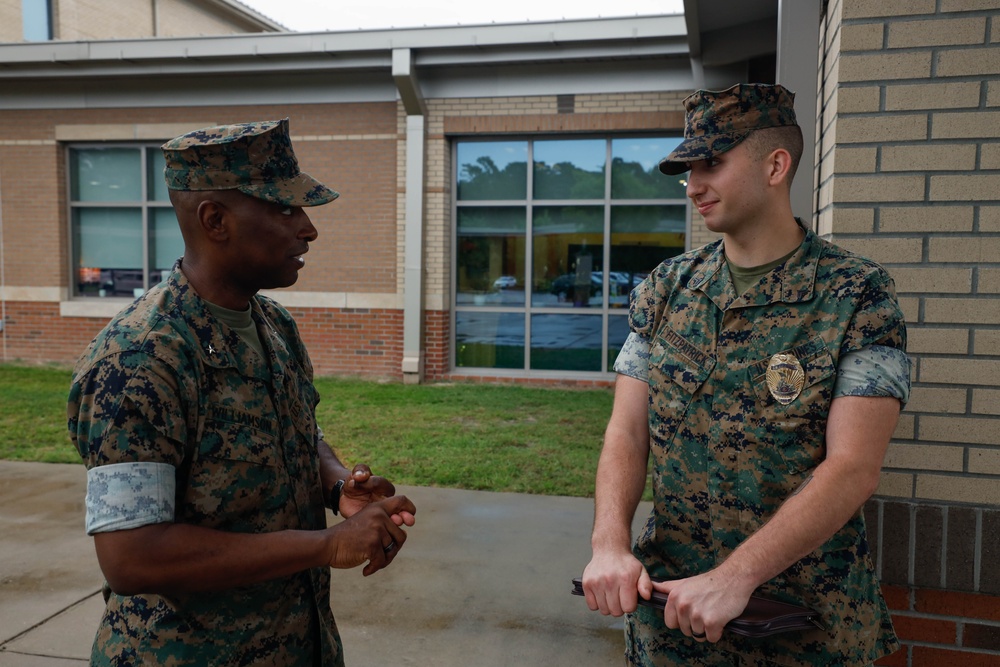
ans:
(77, 20)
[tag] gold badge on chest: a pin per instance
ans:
(785, 378)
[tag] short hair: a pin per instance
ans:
(762, 143)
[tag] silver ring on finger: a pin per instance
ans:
(389, 548)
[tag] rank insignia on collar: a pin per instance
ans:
(211, 349)
(785, 378)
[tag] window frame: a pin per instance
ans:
(145, 206)
(604, 312)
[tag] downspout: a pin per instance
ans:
(403, 73)
(3, 276)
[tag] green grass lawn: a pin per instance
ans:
(470, 436)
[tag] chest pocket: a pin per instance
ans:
(235, 477)
(797, 430)
(238, 436)
(677, 369)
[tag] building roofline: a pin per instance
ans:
(614, 38)
(250, 14)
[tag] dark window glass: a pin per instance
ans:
(489, 340)
(641, 238)
(618, 331)
(108, 246)
(490, 259)
(568, 252)
(125, 234)
(566, 342)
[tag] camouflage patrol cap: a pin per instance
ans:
(719, 120)
(254, 158)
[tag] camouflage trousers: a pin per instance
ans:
(649, 646)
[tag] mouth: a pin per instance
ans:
(705, 206)
(299, 258)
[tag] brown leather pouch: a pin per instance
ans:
(761, 618)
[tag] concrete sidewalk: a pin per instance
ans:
(483, 580)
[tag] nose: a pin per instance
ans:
(307, 230)
(695, 186)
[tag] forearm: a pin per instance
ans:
(621, 479)
(621, 470)
(172, 558)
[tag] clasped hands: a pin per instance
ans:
(373, 527)
(698, 606)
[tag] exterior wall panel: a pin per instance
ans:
(909, 83)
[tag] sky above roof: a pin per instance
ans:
(320, 15)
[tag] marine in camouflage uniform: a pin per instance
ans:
(184, 417)
(740, 387)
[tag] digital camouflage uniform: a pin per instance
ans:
(179, 419)
(166, 383)
(726, 453)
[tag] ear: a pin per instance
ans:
(778, 164)
(213, 218)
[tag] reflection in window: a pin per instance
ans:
(125, 234)
(617, 333)
(492, 170)
(569, 169)
(157, 187)
(165, 243)
(641, 238)
(635, 172)
(489, 340)
(106, 174)
(566, 342)
(108, 244)
(490, 261)
(546, 258)
(568, 253)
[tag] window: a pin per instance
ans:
(36, 19)
(545, 257)
(124, 234)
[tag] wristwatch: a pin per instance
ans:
(334, 503)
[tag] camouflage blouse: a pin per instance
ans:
(178, 419)
(739, 393)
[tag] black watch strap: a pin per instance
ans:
(335, 496)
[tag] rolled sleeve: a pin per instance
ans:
(633, 360)
(121, 496)
(876, 370)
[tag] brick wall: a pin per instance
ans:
(33, 331)
(364, 342)
(75, 20)
(907, 175)
(11, 26)
(93, 19)
(178, 18)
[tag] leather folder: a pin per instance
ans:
(762, 617)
